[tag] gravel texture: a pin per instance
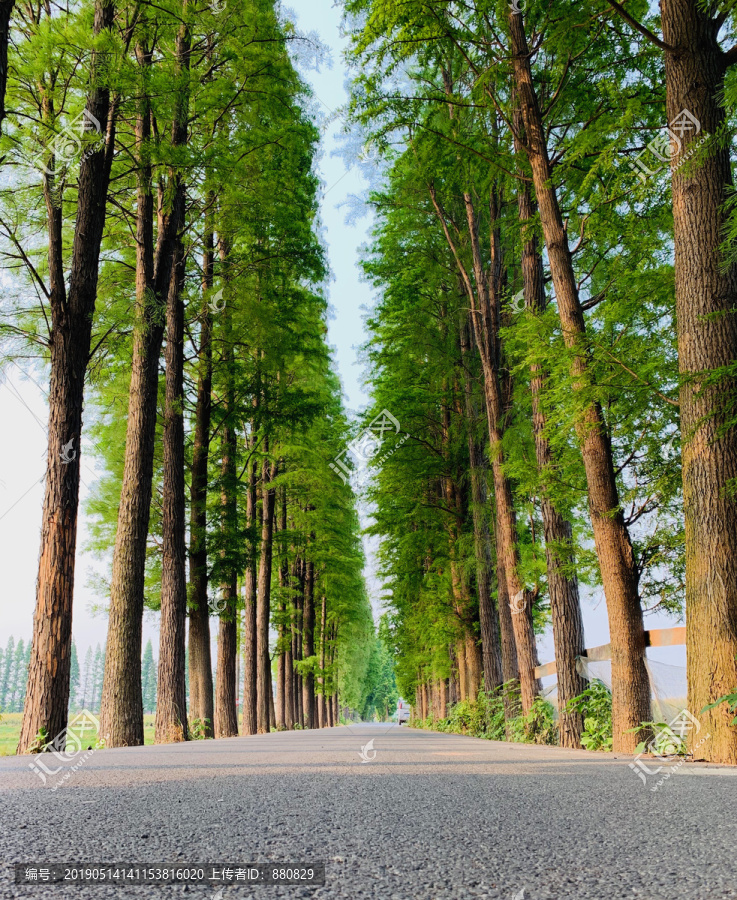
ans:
(430, 817)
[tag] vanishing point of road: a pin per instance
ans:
(429, 817)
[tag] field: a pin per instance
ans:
(10, 732)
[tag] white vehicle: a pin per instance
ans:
(402, 712)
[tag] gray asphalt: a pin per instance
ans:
(430, 816)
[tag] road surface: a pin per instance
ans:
(429, 817)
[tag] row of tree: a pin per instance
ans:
(85, 684)
(13, 674)
(556, 332)
(171, 215)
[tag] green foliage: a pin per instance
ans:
(731, 701)
(198, 729)
(484, 718)
(537, 727)
(380, 683)
(595, 705)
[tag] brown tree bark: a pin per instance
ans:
(263, 605)
(250, 668)
(200, 660)
(226, 714)
(121, 711)
(565, 606)
(72, 311)
(485, 326)
(321, 710)
(283, 636)
(171, 700)
(6, 10)
(308, 645)
(473, 667)
(630, 684)
(299, 582)
(706, 300)
(488, 618)
(171, 703)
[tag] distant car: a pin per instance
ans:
(402, 712)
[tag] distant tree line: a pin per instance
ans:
(85, 684)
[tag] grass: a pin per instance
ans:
(10, 724)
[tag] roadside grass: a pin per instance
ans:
(10, 725)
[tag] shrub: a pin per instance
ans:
(595, 705)
(538, 726)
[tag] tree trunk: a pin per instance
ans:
(121, 712)
(462, 674)
(473, 667)
(485, 325)
(321, 717)
(6, 10)
(490, 638)
(171, 705)
(171, 702)
(250, 668)
(706, 299)
(297, 638)
(281, 701)
(630, 684)
(487, 319)
(308, 645)
(263, 605)
(47, 696)
(226, 713)
(200, 661)
(565, 607)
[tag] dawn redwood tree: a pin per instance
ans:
(171, 705)
(6, 11)
(250, 670)
(72, 303)
(483, 297)
(565, 606)
(121, 713)
(499, 657)
(630, 682)
(226, 717)
(200, 663)
(706, 302)
(263, 597)
(308, 645)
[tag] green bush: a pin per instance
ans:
(537, 727)
(484, 718)
(595, 705)
(198, 729)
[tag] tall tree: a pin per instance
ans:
(72, 310)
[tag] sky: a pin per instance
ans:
(23, 410)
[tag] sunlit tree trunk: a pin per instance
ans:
(226, 715)
(630, 684)
(72, 311)
(308, 645)
(250, 668)
(565, 606)
(263, 604)
(121, 713)
(706, 300)
(200, 661)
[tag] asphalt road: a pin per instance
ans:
(429, 816)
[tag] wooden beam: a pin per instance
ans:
(547, 669)
(658, 637)
(666, 637)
